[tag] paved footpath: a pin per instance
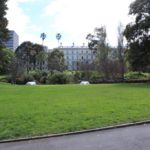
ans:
(129, 138)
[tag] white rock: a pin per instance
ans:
(31, 83)
(84, 82)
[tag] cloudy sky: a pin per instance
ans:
(74, 19)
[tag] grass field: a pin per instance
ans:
(38, 110)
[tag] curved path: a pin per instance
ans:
(128, 138)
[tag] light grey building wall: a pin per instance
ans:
(13, 41)
(77, 54)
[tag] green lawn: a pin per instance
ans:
(38, 110)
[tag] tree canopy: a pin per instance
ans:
(29, 55)
(6, 59)
(3, 23)
(97, 43)
(137, 34)
(56, 60)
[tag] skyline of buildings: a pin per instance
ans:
(74, 56)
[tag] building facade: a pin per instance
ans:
(13, 41)
(77, 56)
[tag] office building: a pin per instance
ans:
(13, 41)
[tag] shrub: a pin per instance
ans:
(3, 79)
(37, 74)
(135, 75)
(77, 76)
(43, 80)
(24, 78)
(58, 78)
(91, 76)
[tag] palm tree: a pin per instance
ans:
(58, 37)
(43, 36)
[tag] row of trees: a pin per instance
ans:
(110, 62)
(136, 55)
(34, 56)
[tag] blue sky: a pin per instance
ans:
(74, 19)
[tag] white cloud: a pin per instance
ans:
(20, 22)
(79, 17)
(74, 19)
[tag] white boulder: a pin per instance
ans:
(31, 83)
(84, 82)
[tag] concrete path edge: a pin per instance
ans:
(73, 133)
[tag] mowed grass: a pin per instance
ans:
(37, 110)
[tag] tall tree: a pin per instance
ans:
(39, 56)
(137, 34)
(121, 50)
(3, 23)
(25, 53)
(58, 37)
(97, 43)
(43, 37)
(56, 60)
(28, 55)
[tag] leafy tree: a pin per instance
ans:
(28, 55)
(39, 56)
(56, 60)
(5, 60)
(3, 23)
(137, 34)
(97, 43)
(25, 53)
(121, 50)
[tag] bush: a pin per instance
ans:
(39, 76)
(58, 78)
(24, 78)
(96, 78)
(136, 75)
(70, 76)
(43, 80)
(91, 76)
(3, 79)
(20, 79)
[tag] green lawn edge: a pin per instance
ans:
(27, 111)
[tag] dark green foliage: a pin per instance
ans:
(21, 78)
(98, 44)
(39, 76)
(138, 36)
(137, 75)
(6, 58)
(58, 78)
(3, 23)
(56, 60)
(31, 55)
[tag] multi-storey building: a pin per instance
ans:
(77, 55)
(13, 41)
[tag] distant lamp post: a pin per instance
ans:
(43, 36)
(58, 37)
